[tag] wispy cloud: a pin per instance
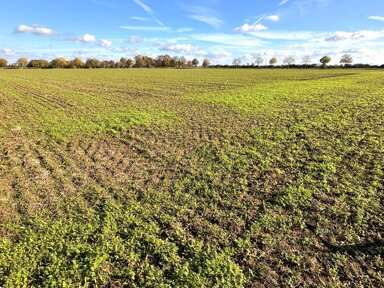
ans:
(86, 38)
(7, 52)
(210, 20)
(184, 29)
(257, 26)
(377, 18)
(283, 2)
(135, 39)
(183, 48)
(148, 10)
(273, 18)
(146, 28)
(229, 40)
(154, 29)
(287, 36)
(123, 50)
(359, 35)
(35, 29)
(105, 43)
(144, 19)
(205, 15)
(145, 7)
(218, 54)
(193, 51)
(251, 28)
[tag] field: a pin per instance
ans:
(191, 178)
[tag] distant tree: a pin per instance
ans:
(259, 60)
(129, 63)
(325, 60)
(159, 61)
(183, 61)
(22, 62)
(189, 64)
(306, 60)
(272, 61)
(346, 59)
(112, 64)
(32, 63)
(39, 63)
(107, 64)
(148, 62)
(167, 61)
(44, 63)
(289, 60)
(3, 62)
(236, 62)
(175, 62)
(206, 63)
(76, 63)
(122, 63)
(104, 64)
(92, 63)
(59, 62)
(152, 62)
(139, 62)
(164, 61)
(195, 62)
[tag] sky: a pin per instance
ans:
(219, 30)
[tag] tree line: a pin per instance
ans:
(139, 61)
(346, 59)
(166, 61)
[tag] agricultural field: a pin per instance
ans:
(191, 178)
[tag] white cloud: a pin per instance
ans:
(146, 28)
(257, 26)
(283, 2)
(346, 36)
(378, 18)
(7, 52)
(87, 38)
(273, 18)
(105, 43)
(205, 15)
(35, 29)
(161, 43)
(123, 50)
(135, 39)
(183, 48)
(251, 28)
(219, 54)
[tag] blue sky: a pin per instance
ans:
(219, 30)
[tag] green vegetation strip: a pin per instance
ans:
(203, 178)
